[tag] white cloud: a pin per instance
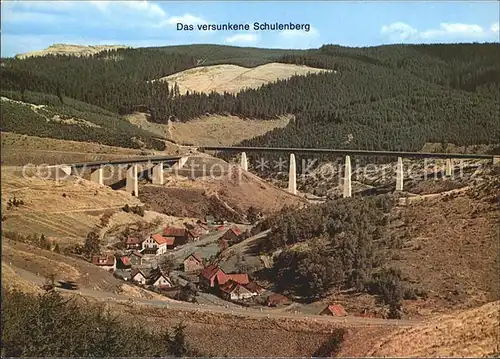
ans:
(186, 19)
(401, 32)
(453, 30)
(398, 31)
(142, 7)
(242, 38)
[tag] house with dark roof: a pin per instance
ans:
(139, 276)
(193, 263)
(232, 235)
(193, 235)
(180, 235)
(254, 288)
(133, 243)
(135, 258)
(160, 280)
(334, 309)
(232, 290)
(276, 299)
(106, 261)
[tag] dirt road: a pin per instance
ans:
(248, 312)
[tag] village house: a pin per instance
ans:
(276, 299)
(156, 244)
(232, 235)
(180, 235)
(209, 276)
(240, 278)
(254, 288)
(160, 280)
(133, 243)
(139, 276)
(105, 261)
(135, 258)
(193, 263)
(232, 290)
(202, 229)
(123, 262)
(335, 309)
(193, 235)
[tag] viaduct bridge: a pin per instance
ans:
(347, 186)
(156, 164)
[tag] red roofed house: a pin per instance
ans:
(123, 262)
(133, 243)
(211, 275)
(335, 309)
(180, 235)
(105, 261)
(193, 263)
(232, 235)
(232, 290)
(235, 277)
(276, 299)
(155, 244)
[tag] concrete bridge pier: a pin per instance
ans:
(399, 174)
(158, 174)
(244, 161)
(181, 163)
(448, 168)
(96, 176)
(347, 187)
(132, 184)
(292, 176)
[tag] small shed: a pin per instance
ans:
(334, 309)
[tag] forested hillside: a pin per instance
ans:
(388, 97)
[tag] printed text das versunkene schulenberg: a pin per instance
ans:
(257, 26)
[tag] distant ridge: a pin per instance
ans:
(68, 49)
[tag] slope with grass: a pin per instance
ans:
(470, 333)
(45, 115)
(233, 78)
(71, 50)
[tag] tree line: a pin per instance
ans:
(394, 97)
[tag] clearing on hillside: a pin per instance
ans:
(233, 79)
(73, 50)
(470, 333)
(210, 130)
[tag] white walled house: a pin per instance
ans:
(138, 277)
(161, 281)
(155, 244)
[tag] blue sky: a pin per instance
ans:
(34, 25)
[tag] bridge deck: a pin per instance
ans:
(347, 152)
(155, 159)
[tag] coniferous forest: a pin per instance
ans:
(395, 97)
